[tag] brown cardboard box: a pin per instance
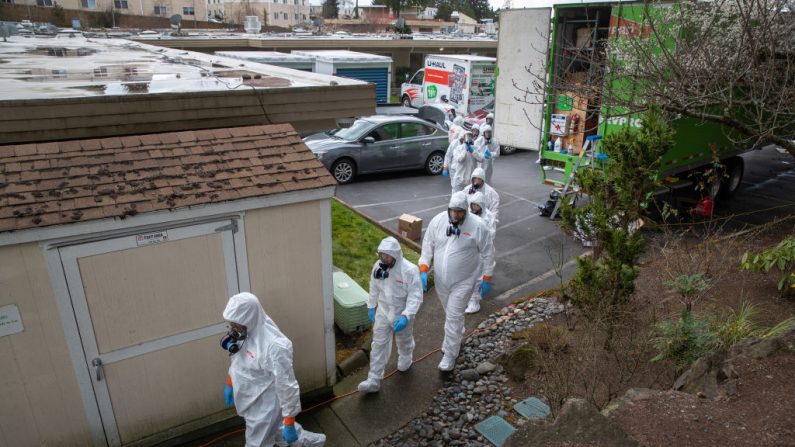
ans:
(410, 226)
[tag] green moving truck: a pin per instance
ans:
(544, 53)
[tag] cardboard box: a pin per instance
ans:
(410, 226)
(584, 37)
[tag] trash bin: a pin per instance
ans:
(350, 304)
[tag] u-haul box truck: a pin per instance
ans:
(462, 81)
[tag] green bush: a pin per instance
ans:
(781, 257)
(690, 287)
(683, 340)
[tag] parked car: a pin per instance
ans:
(378, 144)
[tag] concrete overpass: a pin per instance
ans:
(404, 52)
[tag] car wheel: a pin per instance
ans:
(435, 163)
(343, 170)
(406, 101)
(735, 167)
(507, 150)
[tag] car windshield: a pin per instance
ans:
(352, 133)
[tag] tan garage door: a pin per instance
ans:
(149, 307)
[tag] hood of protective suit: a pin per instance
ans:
(479, 199)
(485, 128)
(458, 121)
(244, 308)
(391, 246)
(479, 173)
(458, 201)
(475, 127)
(490, 115)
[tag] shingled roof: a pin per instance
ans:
(70, 181)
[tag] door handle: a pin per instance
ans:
(97, 364)
(426, 144)
(394, 147)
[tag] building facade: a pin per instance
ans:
(282, 13)
(188, 9)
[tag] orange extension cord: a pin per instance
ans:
(351, 393)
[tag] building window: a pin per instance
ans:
(296, 16)
(160, 10)
(7, 1)
(284, 15)
(88, 4)
(44, 2)
(304, 16)
(120, 4)
(276, 15)
(296, 2)
(187, 10)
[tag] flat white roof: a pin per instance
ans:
(343, 56)
(275, 56)
(61, 67)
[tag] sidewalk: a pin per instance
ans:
(360, 419)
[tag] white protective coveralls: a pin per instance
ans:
(491, 223)
(462, 163)
(491, 196)
(456, 263)
(492, 145)
(455, 129)
(263, 382)
(399, 294)
(448, 156)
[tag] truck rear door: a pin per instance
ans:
(526, 49)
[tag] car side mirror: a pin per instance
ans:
(407, 77)
(368, 140)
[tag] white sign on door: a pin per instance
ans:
(10, 321)
(158, 237)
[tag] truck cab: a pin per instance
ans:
(412, 92)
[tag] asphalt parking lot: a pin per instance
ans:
(528, 245)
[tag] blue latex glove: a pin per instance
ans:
(289, 434)
(487, 155)
(371, 313)
(229, 398)
(470, 149)
(401, 323)
(485, 287)
(424, 281)
(445, 173)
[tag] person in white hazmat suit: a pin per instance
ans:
(487, 149)
(395, 298)
(455, 129)
(491, 196)
(261, 383)
(477, 206)
(462, 163)
(448, 170)
(454, 242)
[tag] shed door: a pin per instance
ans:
(378, 76)
(522, 64)
(148, 308)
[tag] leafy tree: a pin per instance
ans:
(330, 9)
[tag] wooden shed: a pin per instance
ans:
(118, 256)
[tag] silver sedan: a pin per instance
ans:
(381, 144)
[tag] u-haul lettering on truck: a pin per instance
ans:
(436, 64)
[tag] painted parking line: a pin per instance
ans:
(519, 198)
(401, 201)
(510, 224)
(414, 213)
(523, 246)
(546, 275)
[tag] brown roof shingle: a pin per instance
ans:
(71, 181)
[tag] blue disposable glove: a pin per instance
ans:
(445, 173)
(229, 398)
(424, 281)
(401, 323)
(470, 149)
(289, 434)
(487, 155)
(485, 287)
(371, 313)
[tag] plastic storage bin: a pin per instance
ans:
(350, 304)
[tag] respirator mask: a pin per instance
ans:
(382, 272)
(233, 341)
(453, 229)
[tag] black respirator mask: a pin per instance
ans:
(382, 272)
(453, 229)
(232, 341)
(474, 188)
